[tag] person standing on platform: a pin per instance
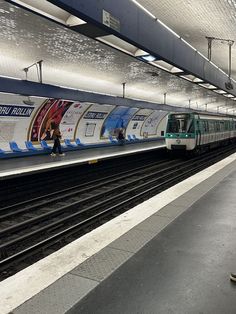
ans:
(121, 137)
(57, 144)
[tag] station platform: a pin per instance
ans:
(171, 254)
(22, 165)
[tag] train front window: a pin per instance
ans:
(180, 123)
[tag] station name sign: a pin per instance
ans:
(95, 115)
(15, 111)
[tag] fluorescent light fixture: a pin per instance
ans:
(166, 66)
(144, 56)
(123, 46)
(10, 77)
(28, 101)
(67, 87)
(33, 96)
(219, 91)
(214, 65)
(148, 58)
(207, 85)
(139, 53)
(192, 78)
(202, 55)
(50, 11)
(168, 28)
(188, 44)
(9, 93)
(222, 71)
(74, 21)
(233, 98)
(119, 44)
(144, 9)
(228, 95)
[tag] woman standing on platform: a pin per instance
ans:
(57, 144)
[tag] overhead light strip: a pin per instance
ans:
(202, 55)
(11, 77)
(144, 9)
(207, 85)
(188, 44)
(192, 78)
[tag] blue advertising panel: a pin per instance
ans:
(119, 118)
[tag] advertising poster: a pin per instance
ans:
(150, 124)
(89, 127)
(119, 118)
(135, 125)
(70, 119)
(49, 115)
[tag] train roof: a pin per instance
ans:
(207, 115)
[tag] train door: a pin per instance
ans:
(198, 134)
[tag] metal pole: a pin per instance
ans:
(230, 46)
(124, 84)
(189, 101)
(209, 48)
(26, 73)
(164, 98)
(205, 107)
(40, 63)
(209, 40)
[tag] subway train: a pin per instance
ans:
(197, 132)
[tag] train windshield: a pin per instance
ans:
(180, 123)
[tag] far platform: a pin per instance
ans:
(22, 165)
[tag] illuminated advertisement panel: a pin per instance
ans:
(49, 115)
(118, 119)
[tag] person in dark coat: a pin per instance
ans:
(121, 137)
(56, 135)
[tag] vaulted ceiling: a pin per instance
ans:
(73, 60)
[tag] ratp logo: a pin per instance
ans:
(178, 141)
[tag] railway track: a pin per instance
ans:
(34, 228)
(13, 190)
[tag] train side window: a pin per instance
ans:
(198, 127)
(210, 126)
(221, 126)
(204, 126)
(226, 125)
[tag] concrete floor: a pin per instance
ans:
(184, 269)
